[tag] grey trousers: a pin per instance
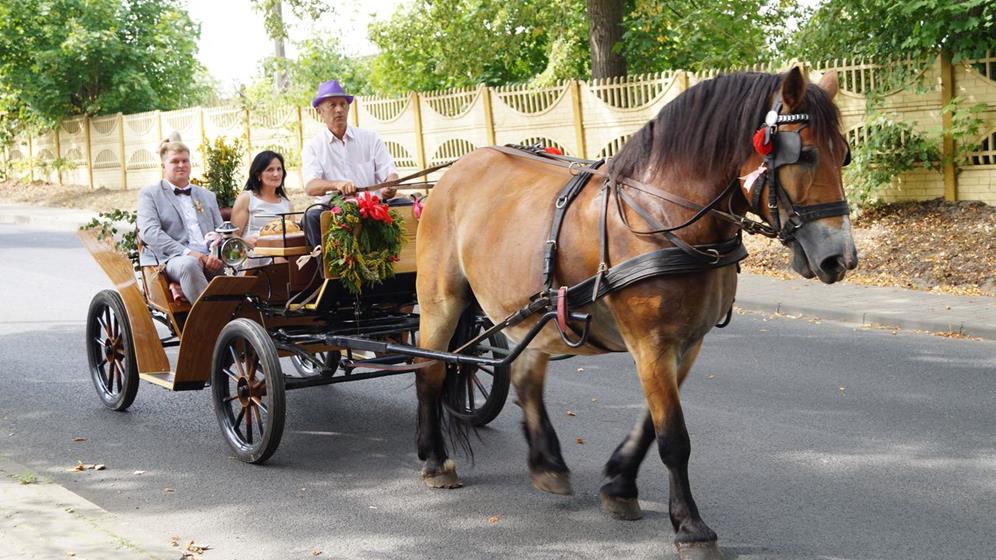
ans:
(190, 274)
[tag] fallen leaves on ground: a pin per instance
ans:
(81, 466)
(931, 245)
(494, 519)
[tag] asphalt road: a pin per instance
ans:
(809, 440)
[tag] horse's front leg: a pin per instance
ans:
(547, 468)
(619, 494)
(658, 367)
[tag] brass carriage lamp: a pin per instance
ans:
(231, 250)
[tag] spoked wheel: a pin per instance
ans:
(307, 369)
(248, 389)
(110, 352)
(476, 393)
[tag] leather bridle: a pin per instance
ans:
(786, 147)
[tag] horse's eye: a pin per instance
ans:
(808, 156)
(847, 157)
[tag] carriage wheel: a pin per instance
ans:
(248, 389)
(476, 393)
(307, 369)
(110, 352)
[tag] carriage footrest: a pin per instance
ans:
(166, 380)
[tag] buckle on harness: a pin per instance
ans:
(715, 254)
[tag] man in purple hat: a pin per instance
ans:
(341, 158)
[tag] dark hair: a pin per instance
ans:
(259, 165)
(714, 122)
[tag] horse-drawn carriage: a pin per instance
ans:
(638, 255)
(232, 338)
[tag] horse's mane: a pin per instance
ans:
(707, 130)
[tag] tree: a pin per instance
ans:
(605, 31)
(437, 44)
(276, 28)
(695, 35)
(318, 60)
(65, 57)
(888, 29)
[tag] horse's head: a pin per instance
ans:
(799, 191)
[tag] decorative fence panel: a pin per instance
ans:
(584, 119)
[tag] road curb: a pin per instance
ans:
(868, 318)
(45, 520)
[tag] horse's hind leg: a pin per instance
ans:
(440, 305)
(547, 468)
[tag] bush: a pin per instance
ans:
(224, 168)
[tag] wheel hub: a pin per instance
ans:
(243, 390)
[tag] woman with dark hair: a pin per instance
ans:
(263, 197)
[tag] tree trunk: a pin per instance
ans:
(605, 30)
(279, 77)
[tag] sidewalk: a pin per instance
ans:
(973, 316)
(45, 521)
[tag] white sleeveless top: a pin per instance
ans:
(261, 212)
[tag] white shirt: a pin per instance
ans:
(189, 215)
(360, 157)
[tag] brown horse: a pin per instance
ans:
(482, 242)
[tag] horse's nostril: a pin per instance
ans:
(833, 265)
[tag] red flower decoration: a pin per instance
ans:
(759, 145)
(417, 206)
(371, 207)
(553, 150)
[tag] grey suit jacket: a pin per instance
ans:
(161, 223)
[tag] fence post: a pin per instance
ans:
(575, 86)
(300, 145)
(31, 159)
(121, 149)
(204, 141)
(89, 151)
(248, 126)
(58, 151)
(489, 118)
(947, 145)
(354, 111)
(419, 140)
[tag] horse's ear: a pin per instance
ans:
(828, 83)
(794, 89)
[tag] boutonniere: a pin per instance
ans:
(197, 206)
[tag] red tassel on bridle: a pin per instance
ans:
(759, 145)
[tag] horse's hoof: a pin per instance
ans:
(699, 551)
(553, 482)
(624, 509)
(443, 478)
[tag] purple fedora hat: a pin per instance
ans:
(330, 88)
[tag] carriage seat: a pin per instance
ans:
(158, 287)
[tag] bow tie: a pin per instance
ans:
(178, 192)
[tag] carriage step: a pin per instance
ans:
(166, 380)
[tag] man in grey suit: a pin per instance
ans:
(173, 219)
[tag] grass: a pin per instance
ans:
(26, 478)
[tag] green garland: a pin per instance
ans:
(363, 241)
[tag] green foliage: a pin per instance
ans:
(26, 478)
(272, 11)
(890, 149)
(966, 123)
(885, 29)
(105, 227)
(458, 43)
(693, 35)
(224, 164)
(65, 57)
(363, 241)
(318, 60)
